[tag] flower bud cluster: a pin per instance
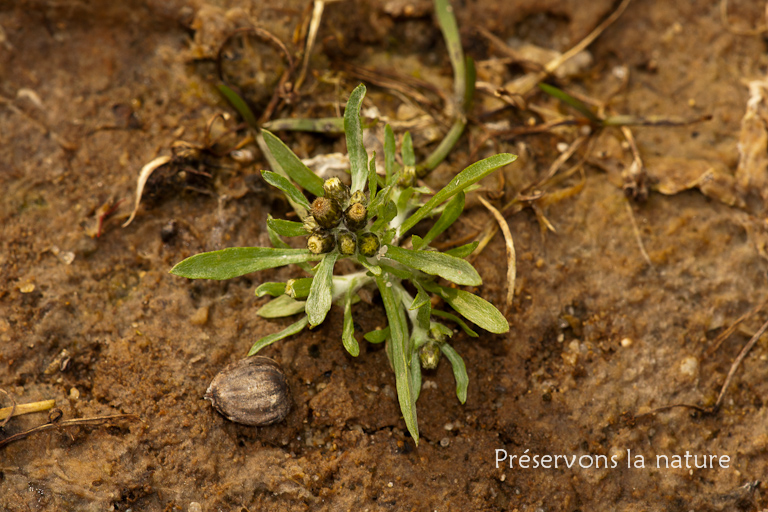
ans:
(331, 214)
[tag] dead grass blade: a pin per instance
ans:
(55, 422)
(18, 409)
(511, 258)
(144, 175)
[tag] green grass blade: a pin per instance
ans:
(292, 329)
(450, 29)
(461, 181)
(348, 331)
(236, 261)
(287, 227)
(451, 212)
(406, 149)
(292, 164)
(566, 98)
(358, 158)
(280, 307)
(270, 288)
(288, 188)
(436, 264)
(459, 371)
(400, 356)
(475, 309)
(321, 291)
(239, 104)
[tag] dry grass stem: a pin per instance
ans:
(511, 259)
(636, 231)
(19, 409)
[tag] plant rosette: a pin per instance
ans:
(366, 222)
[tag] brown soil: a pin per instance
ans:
(92, 91)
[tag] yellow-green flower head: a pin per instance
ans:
(356, 216)
(368, 244)
(320, 243)
(346, 243)
(327, 212)
(337, 190)
(429, 354)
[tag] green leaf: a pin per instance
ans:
(269, 339)
(423, 304)
(288, 188)
(236, 261)
(287, 227)
(373, 178)
(442, 329)
(348, 332)
(437, 264)
(280, 307)
(377, 336)
(461, 181)
(463, 251)
(570, 100)
(292, 165)
(396, 271)
(358, 158)
(417, 242)
(373, 269)
(406, 149)
(321, 291)
(389, 152)
(239, 104)
(451, 212)
(270, 288)
(400, 355)
(299, 288)
(416, 375)
(450, 29)
(459, 371)
(385, 217)
(475, 309)
(455, 319)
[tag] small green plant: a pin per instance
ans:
(367, 222)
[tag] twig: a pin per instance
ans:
(54, 422)
(314, 25)
(511, 263)
(730, 330)
(636, 231)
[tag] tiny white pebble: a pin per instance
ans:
(562, 147)
(390, 484)
(626, 342)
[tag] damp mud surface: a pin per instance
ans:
(630, 266)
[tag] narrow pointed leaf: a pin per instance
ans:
(280, 307)
(358, 158)
(416, 375)
(328, 125)
(406, 149)
(288, 188)
(236, 261)
(451, 212)
(461, 181)
(459, 371)
(292, 164)
(463, 251)
(287, 227)
(436, 264)
(239, 104)
(423, 304)
(270, 288)
(292, 329)
(389, 152)
(566, 98)
(388, 212)
(400, 356)
(373, 179)
(348, 331)
(453, 318)
(475, 309)
(450, 29)
(321, 291)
